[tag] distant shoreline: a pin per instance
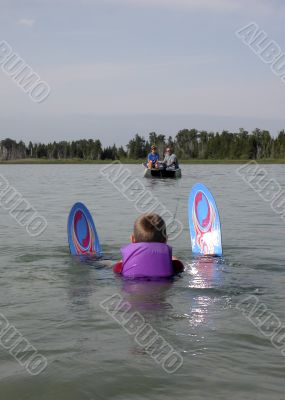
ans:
(29, 161)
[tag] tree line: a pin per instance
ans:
(187, 144)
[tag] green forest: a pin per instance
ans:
(188, 144)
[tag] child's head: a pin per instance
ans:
(153, 148)
(149, 228)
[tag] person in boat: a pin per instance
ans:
(170, 160)
(152, 158)
(148, 255)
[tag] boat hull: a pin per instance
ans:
(162, 173)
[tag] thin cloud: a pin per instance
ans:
(261, 6)
(258, 6)
(27, 22)
(221, 4)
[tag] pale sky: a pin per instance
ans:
(120, 67)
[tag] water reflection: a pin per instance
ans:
(163, 182)
(204, 273)
(81, 286)
(147, 294)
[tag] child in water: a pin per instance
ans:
(148, 255)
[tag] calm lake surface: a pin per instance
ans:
(53, 300)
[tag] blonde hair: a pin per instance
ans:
(150, 228)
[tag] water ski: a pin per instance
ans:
(204, 222)
(81, 231)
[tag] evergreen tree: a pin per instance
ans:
(187, 144)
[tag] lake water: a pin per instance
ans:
(53, 300)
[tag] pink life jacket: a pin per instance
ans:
(153, 260)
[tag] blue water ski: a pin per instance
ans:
(204, 222)
(82, 235)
